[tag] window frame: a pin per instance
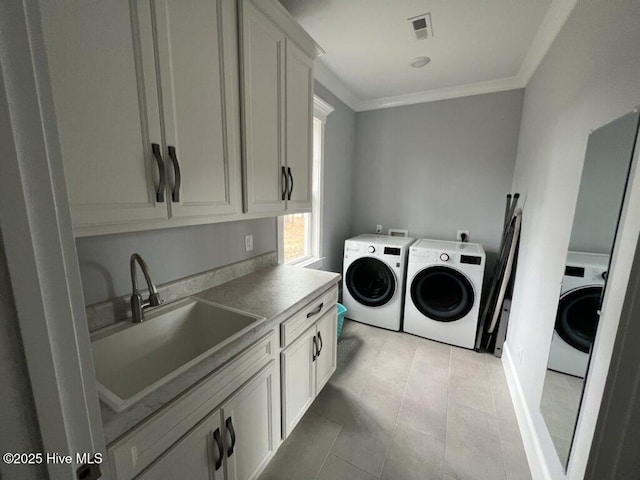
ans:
(321, 109)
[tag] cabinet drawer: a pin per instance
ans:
(132, 453)
(299, 322)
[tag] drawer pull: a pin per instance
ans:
(218, 440)
(316, 311)
(155, 148)
(232, 433)
(320, 340)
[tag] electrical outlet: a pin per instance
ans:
(248, 243)
(520, 354)
(459, 234)
(378, 229)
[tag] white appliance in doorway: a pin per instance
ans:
(373, 282)
(444, 285)
(578, 312)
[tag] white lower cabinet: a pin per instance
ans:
(251, 426)
(235, 442)
(225, 428)
(198, 455)
(307, 365)
(230, 425)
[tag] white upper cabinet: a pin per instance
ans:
(147, 98)
(144, 90)
(277, 100)
(106, 127)
(263, 102)
(299, 153)
(197, 57)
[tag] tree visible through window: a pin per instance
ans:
(300, 230)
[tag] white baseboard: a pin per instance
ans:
(531, 441)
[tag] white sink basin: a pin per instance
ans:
(133, 362)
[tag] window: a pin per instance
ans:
(299, 234)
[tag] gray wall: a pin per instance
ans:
(434, 168)
(339, 153)
(171, 253)
(19, 431)
(588, 78)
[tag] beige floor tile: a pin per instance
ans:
(515, 462)
(350, 378)
(473, 394)
(503, 403)
(473, 450)
(364, 440)
(392, 395)
(425, 403)
(335, 404)
(468, 355)
(337, 469)
(414, 455)
(302, 454)
(364, 443)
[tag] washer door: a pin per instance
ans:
(370, 281)
(577, 318)
(442, 294)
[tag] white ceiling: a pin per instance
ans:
(478, 46)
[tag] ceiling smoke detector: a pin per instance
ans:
(421, 26)
(419, 62)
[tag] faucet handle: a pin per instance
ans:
(154, 299)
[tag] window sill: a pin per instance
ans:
(312, 262)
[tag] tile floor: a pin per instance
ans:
(401, 407)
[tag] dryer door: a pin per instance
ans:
(577, 318)
(370, 281)
(442, 293)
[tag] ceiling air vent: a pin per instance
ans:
(421, 26)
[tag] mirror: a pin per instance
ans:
(600, 197)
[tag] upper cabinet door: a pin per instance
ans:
(198, 64)
(263, 74)
(106, 127)
(299, 155)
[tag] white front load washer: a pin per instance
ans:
(578, 312)
(444, 285)
(373, 282)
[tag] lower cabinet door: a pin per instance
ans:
(199, 455)
(298, 379)
(251, 423)
(327, 338)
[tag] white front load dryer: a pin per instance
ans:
(373, 282)
(444, 285)
(578, 312)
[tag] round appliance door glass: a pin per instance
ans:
(577, 318)
(442, 294)
(370, 281)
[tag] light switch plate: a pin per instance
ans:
(248, 243)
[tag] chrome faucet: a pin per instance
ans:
(137, 304)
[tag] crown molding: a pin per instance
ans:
(554, 20)
(336, 86)
(550, 27)
(445, 93)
